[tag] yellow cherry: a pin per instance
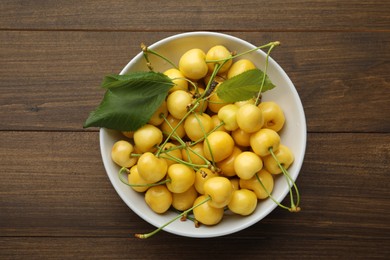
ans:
(218, 146)
(193, 65)
(205, 213)
(243, 202)
(178, 79)
(151, 168)
(121, 154)
(239, 67)
(158, 198)
(181, 178)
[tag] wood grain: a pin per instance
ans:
(50, 81)
(156, 248)
(57, 187)
(196, 15)
(56, 201)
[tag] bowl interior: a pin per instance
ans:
(293, 134)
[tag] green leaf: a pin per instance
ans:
(130, 100)
(243, 86)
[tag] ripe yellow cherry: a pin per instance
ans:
(254, 185)
(158, 198)
(227, 165)
(135, 178)
(263, 139)
(243, 202)
(178, 102)
(217, 123)
(219, 52)
(181, 178)
(239, 67)
(207, 214)
(247, 164)
(201, 176)
(273, 115)
(220, 190)
(178, 79)
(244, 102)
(147, 137)
(228, 115)
(218, 146)
(241, 137)
(121, 154)
(197, 125)
(185, 200)
(250, 118)
(156, 118)
(215, 103)
(151, 168)
(193, 65)
(284, 156)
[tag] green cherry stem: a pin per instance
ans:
(174, 129)
(146, 56)
(185, 217)
(271, 45)
(192, 165)
(257, 101)
(183, 145)
(294, 206)
(194, 85)
(145, 49)
(269, 194)
(184, 213)
(189, 149)
(204, 137)
(125, 170)
(206, 140)
(276, 43)
(207, 91)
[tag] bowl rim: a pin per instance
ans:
(298, 161)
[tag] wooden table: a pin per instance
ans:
(55, 198)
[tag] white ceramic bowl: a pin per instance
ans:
(293, 134)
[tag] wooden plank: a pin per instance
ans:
(50, 80)
(170, 247)
(196, 15)
(54, 185)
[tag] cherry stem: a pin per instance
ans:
(191, 82)
(217, 67)
(145, 53)
(184, 213)
(124, 169)
(258, 98)
(146, 50)
(269, 194)
(174, 129)
(207, 134)
(185, 217)
(290, 182)
(276, 43)
(208, 163)
(184, 146)
(190, 164)
(206, 140)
